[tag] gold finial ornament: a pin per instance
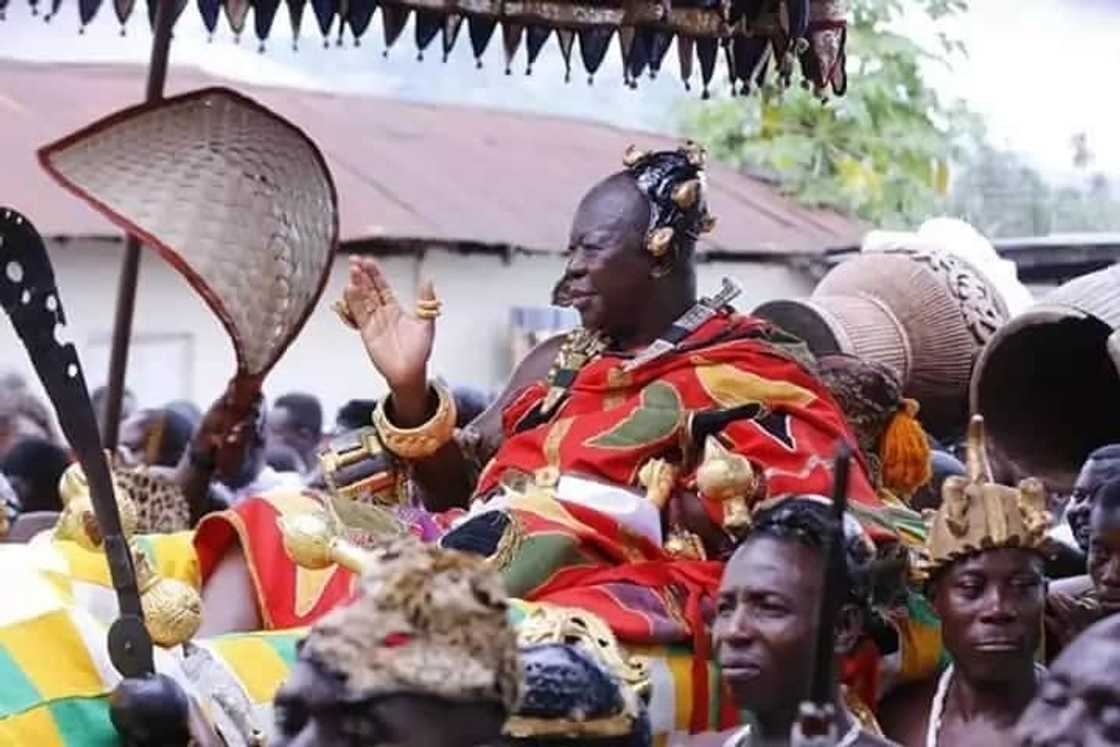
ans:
(727, 478)
(633, 156)
(172, 608)
(659, 478)
(686, 194)
(77, 522)
(312, 541)
(660, 241)
(547, 623)
(977, 514)
(697, 155)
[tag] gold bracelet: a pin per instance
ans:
(424, 440)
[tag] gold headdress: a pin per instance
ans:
(976, 514)
(675, 184)
(427, 621)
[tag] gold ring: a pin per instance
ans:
(428, 308)
(342, 308)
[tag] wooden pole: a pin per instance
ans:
(130, 267)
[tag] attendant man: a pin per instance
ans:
(985, 559)
(1075, 604)
(766, 620)
(1102, 466)
(1078, 703)
(425, 655)
(296, 421)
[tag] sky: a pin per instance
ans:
(1039, 71)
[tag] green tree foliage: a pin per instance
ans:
(880, 152)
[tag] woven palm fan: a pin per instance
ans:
(237, 199)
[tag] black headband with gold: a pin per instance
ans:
(675, 185)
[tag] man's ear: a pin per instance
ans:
(849, 628)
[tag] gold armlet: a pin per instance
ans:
(424, 440)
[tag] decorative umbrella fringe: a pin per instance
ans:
(763, 41)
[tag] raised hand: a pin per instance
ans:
(398, 343)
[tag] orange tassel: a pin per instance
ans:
(904, 452)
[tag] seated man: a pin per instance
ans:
(985, 551)
(1077, 702)
(1073, 606)
(766, 621)
(650, 370)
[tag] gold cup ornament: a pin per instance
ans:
(728, 479)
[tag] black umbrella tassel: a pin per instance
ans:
(55, 5)
(123, 9)
(707, 50)
(264, 13)
(325, 11)
(511, 42)
(593, 45)
(359, 14)
(535, 37)
(87, 10)
(237, 12)
(566, 38)
(686, 53)
(626, 36)
(749, 9)
(481, 30)
(796, 18)
(3, 6)
(393, 20)
(750, 53)
(428, 24)
(180, 5)
(658, 47)
(452, 25)
(295, 17)
(640, 54)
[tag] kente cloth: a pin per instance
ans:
(613, 421)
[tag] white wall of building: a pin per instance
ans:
(181, 351)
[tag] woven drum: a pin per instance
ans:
(926, 313)
(237, 199)
(1046, 384)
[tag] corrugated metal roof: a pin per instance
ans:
(403, 170)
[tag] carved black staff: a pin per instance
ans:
(815, 725)
(30, 297)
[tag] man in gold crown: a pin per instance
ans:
(985, 553)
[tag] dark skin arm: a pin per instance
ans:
(445, 478)
(197, 470)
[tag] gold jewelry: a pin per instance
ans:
(342, 308)
(428, 308)
(729, 479)
(424, 440)
(684, 545)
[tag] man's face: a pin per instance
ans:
(312, 711)
(283, 428)
(1104, 557)
(132, 446)
(765, 627)
(990, 605)
(1089, 481)
(1078, 704)
(607, 279)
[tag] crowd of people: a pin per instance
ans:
(634, 543)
